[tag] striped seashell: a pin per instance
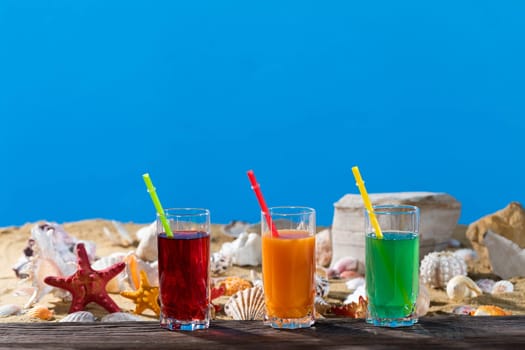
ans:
(322, 286)
(247, 304)
(40, 312)
(120, 317)
(437, 268)
(79, 316)
(10, 310)
(502, 286)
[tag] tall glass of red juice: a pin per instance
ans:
(184, 269)
(288, 266)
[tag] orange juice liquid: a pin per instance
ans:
(288, 267)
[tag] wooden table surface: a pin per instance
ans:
(452, 332)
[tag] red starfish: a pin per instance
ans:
(87, 285)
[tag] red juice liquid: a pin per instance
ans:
(184, 262)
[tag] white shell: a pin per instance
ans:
(247, 304)
(117, 283)
(9, 310)
(423, 300)
(461, 287)
(147, 248)
(506, 257)
(467, 254)
(502, 286)
(244, 250)
(485, 284)
(120, 317)
(219, 263)
(437, 268)
(79, 316)
(354, 283)
(354, 296)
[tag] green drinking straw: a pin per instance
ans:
(158, 206)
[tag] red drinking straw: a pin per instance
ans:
(257, 189)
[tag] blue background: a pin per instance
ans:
(423, 96)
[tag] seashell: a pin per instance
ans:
(41, 312)
(234, 284)
(502, 286)
(9, 310)
(247, 304)
(79, 316)
(485, 284)
(244, 250)
(506, 257)
(490, 310)
(345, 264)
(423, 300)
(147, 248)
(116, 284)
(463, 310)
(120, 317)
(133, 267)
(235, 228)
(360, 292)
(354, 283)
(461, 287)
(323, 248)
(322, 286)
(437, 268)
(219, 263)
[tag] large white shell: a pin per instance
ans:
(247, 304)
(506, 257)
(502, 286)
(79, 316)
(120, 317)
(147, 249)
(437, 268)
(461, 287)
(244, 250)
(9, 310)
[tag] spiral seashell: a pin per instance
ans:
(41, 312)
(461, 287)
(247, 304)
(120, 317)
(9, 310)
(79, 316)
(502, 286)
(437, 268)
(322, 286)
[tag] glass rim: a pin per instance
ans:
(395, 209)
(284, 208)
(185, 211)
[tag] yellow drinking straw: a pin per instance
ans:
(157, 204)
(368, 205)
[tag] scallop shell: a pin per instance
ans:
(322, 286)
(461, 287)
(502, 286)
(246, 304)
(41, 312)
(120, 317)
(490, 310)
(9, 310)
(485, 284)
(79, 316)
(437, 268)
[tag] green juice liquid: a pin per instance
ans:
(392, 274)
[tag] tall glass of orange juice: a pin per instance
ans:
(288, 266)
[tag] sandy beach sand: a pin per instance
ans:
(14, 239)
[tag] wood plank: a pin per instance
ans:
(454, 332)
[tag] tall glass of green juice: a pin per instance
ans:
(392, 266)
